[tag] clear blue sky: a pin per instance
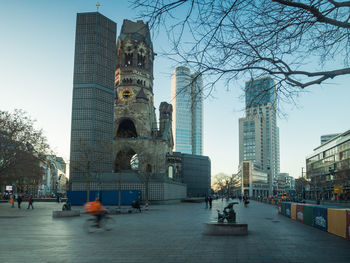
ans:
(36, 74)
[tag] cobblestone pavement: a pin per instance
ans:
(165, 233)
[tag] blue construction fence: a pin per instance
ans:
(107, 197)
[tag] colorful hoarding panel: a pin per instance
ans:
(300, 213)
(337, 221)
(320, 217)
(293, 211)
(288, 208)
(348, 224)
(280, 207)
(309, 215)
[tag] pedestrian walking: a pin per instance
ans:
(245, 201)
(19, 201)
(58, 198)
(206, 202)
(30, 202)
(210, 202)
(12, 202)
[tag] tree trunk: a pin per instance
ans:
(119, 189)
(146, 187)
(88, 189)
(88, 183)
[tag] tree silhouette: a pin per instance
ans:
(89, 160)
(22, 149)
(299, 43)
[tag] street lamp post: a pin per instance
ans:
(302, 183)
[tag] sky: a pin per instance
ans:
(36, 75)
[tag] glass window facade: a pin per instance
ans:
(187, 102)
(259, 91)
(93, 92)
(329, 165)
(196, 172)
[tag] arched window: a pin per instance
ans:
(171, 172)
(128, 59)
(126, 129)
(125, 160)
(141, 59)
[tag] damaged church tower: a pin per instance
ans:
(135, 126)
(139, 145)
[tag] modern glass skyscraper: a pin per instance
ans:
(258, 131)
(187, 101)
(93, 95)
(259, 92)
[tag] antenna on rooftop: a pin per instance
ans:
(97, 5)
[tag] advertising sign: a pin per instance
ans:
(8, 188)
(338, 189)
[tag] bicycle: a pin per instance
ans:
(106, 224)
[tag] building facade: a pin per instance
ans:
(54, 179)
(187, 101)
(258, 131)
(196, 173)
(327, 137)
(328, 169)
(93, 96)
(193, 170)
(284, 184)
(250, 180)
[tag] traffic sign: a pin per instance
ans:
(338, 189)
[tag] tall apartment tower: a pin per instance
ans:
(187, 101)
(258, 131)
(93, 95)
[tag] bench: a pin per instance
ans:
(225, 229)
(66, 213)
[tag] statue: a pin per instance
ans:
(228, 213)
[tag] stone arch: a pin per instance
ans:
(126, 129)
(122, 161)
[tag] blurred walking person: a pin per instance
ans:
(19, 201)
(12, 201)
(206, 202)
(30, 202)
(210, 202)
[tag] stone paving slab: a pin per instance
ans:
(165, 233)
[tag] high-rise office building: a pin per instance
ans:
(93, 95)
(187, 101)
(258, 131)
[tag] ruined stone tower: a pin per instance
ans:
(135, 127)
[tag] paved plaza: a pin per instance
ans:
(165, 233)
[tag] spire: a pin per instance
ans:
(97, 5)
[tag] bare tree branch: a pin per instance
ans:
(299, 43)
